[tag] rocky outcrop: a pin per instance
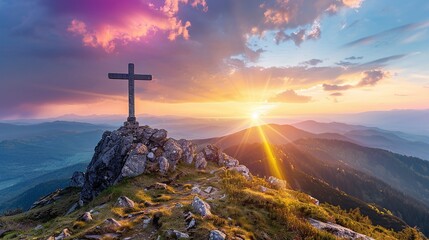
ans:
(78, 179)
(125, 202)
(129, 152)
(48, 199)
(338, 230)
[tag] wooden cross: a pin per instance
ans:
(130, 77)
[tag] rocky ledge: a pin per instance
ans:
(130, 152)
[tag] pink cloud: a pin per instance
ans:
(137, 21)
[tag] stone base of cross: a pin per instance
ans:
(131, 120)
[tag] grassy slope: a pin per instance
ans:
(245, 211)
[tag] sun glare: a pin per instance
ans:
(255, 116)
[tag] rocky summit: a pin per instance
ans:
(130, 152)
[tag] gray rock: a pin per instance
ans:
(125, 202)
(211, 153)
(150, 156)
(201, 207)
(111, 225)
(277, 183)
(188, 150)
(86, 217)
(200, 161)
(78, 179)
(64, 234)
(217, 235)
(172, 151)
(72, 208)
(243, 170)
(176, 234)
(209, 189)
(159, 136)
(38, 227)
(338, 230)
(161, 186)
(135, 163)
(107, 162)
(164, 165)
(227, 161)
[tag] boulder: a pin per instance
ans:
(136, 162)
(111, 225)
(64, 234)
(211, 153)
(164, 165)
(217, 235)
(124, 202)
(78, 179)
(243, 170)
(277, 183)
(339, 231)
(86, 217)
(176, 234)
(188, 150)
(161, 186)
(159, 136)
(201, 207)
(227, 161)
(200, 161)
(172, 151)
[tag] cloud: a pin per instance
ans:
(345, 63)
(312, 62)
(336, 94)
(354, 58)
(400, 29)
(289, 96)
(370, 78)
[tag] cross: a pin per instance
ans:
(130, 76)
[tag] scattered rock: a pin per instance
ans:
(163, 165)
(72, 208)
(195, 190)
(262, 188)
(338, 230)
(38, 227)
(86, 217)
(200, 161)
(188, 150)
(161, 186)
(48, 199)
(111, 225)
(217, 235)
(208, 190)
(315, 201)
(191, 224)
(201, 207)
(77, 180)
(277, 183)
(227, 161)
(65, 233)
(176, 234)
(146, 222)
(125, 202)
(243, 170)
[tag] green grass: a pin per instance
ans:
(244, 212)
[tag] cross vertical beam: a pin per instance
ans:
(131, 107)
(130, 76)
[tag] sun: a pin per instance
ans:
(255, 116)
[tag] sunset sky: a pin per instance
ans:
(213, 58)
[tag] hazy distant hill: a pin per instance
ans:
(399, 142)
(30, 151)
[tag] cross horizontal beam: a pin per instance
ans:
(127, 76)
